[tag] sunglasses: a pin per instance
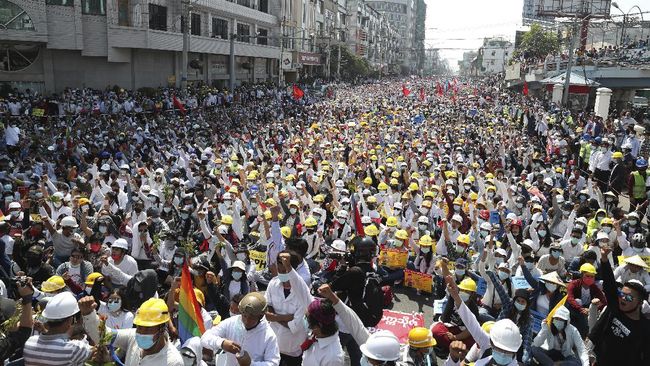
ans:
(626, 297)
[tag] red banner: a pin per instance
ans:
(399, 324)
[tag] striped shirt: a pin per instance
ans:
(55, 349)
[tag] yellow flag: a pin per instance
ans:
(549, 318)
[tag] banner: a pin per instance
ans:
(38, 112)
(418, 280)
(538, 318)
(646, 259)
(259, 258)
(393, 258)
(399, 324)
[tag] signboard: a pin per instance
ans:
(418, 280)
(393, 258)
(572, 8)
(38, 112)
(520, 282)
(399, 324)
(287, 61)
(307, 58)
(439, 306)
(538, 318)
(259, 258)
(513, 72)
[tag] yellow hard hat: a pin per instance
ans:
(389, 160)
(489, 176)
(426, 204)
(607, 221)
(151, 313)
(382, 186)
(311, 222)
(429, 194)
(270, 202)
(400, 158)
(617, 155)
(588, 268)
(289, 177)
(458, 201)
(487, 326)
(463, 238)
(413, 187)
(251, 176)
(233, 189)
(373, 157)
(401, 234)
(367, 180)
(90, 280)
(425, 241)
(491, 188)
(467, 284)
(391, 221)
(269, 185)
(372, 199)
(226, 219)
(319, 198)
(394, 181)
(286, 232)
(420, 337)
(415, 175)
(54, 283)
(473, 196)
(559, 170)
(394, 174)
(83, 201)
(371, 230)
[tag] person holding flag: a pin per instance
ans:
(559, 341)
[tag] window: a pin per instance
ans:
(264, 6)
(157, 17)
(60, 2)
(246, 3)
(14, 17)
(219, 28)
(196, 25)
(123, 12)
(262, 35)
(93, 7)
(15, 57)
(243, 32)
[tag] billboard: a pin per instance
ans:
(573, 8)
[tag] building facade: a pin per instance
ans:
(371, 36)
(495, 54)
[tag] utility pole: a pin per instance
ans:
(567, 76)
(338, 62)
(329, 57)
(231, 63)
(186, 44)
(280, 66)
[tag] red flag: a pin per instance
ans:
(178, 105)
(439, 89)
(525, 88)
(357, 217)
(422, 94)
(405, 91)
(297, 92)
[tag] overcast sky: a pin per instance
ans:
(462, 24)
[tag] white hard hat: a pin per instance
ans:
(501, 251)
(58, 195)
(511, 216)
(14, 205)
(505, 335)
(121, 243)
(486, 226)
(105, 167)
(339, 245)
(227, 196)
(339, 184)
(397, 205)
(289, 161)
(342, 214)
(366, 220)
(69, 221)
(159, 171)
(562, 313)
(423, 220)
(602, 235)
(582, 220)
(270, 175)
(548, 181)
(61, 306)
(457, 218)
(145, 188)
(381, 346)
(239, 265)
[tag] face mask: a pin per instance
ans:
(607, 229)
(241, 256)
(566, 213)
(425, 250)
(559, 324)
(575, 241)
(460, 249)
(503, 275)
(530, 265)
(167, 209)
(57, 204)
(464, 296)
(88, 289)
(423, 227)
(178, 260)
(283, 277)
(236, 276)
(398, 243)
(114, 306)
(541, 233)
(467, 188)
(103, 229)
(520, 307)
(551, 287)
(632, 222)
(520, 205)
(144, 341)
(456, 208)
(501, 359)
(556, 254)
(490, 195)
(588, 280)
(341, 220)
(184, 216)
(460, 272)
(599, 218)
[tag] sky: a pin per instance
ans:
(461, 25)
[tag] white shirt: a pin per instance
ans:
(121, 273)
(9, 244)
(289, 339)
(120, 320)
(12, 135)
(324, 352)
(260, 342)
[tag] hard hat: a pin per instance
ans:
(486, 226)
(69, 221)
(233, 189)
(487, 326)
(381, 346)
(426, 204)
(607, 221)
(617, 155)
(253, 304)
(367, 180)
(602, 235)
(294, 203)
(562, 313)
(391, 221)
(339, 245)
(61, 306)
(457, 218)
(371, 230)
(505, 335)
(413, 187)
(226, 219)
(311, 222)
(270, 202)
(467, 284)
(394, 181)
(342, 214)
(463, 238)
(423, 220)
(151, 313)
(382, 186)
(420, 337)
(641, 163)
(548, 181)
(269, 185)
(473, 196)
(372, 199)
(54, 283)
(286, 232)
(401, 235)
(90, 280)
(588, 268)
(82, 202)
(425, 241)
(398, 206)
(458, 201)
(559, 170)
(120, 243)
(319, 198)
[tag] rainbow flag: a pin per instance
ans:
(190, 321)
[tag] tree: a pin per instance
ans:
(352, 66)
(537, 43)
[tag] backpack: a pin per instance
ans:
(372, 308)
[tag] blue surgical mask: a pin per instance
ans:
(501, 358)
(145, 341)
(541, 233)
(464, 296)
(460, 272)
(364, 361)
(283, 277)
(520, 307)
(425, 250)
(114, 306)
(559, 324)
(503, 275)
(236, 275)
(556, 254)
(178, 260)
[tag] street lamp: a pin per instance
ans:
(625, 15)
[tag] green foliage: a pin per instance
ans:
(537, 43)
(352, 66)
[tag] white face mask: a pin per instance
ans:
(293, 210)
(464, 296)
(341, 220)
(425, 250)
(551, 287)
